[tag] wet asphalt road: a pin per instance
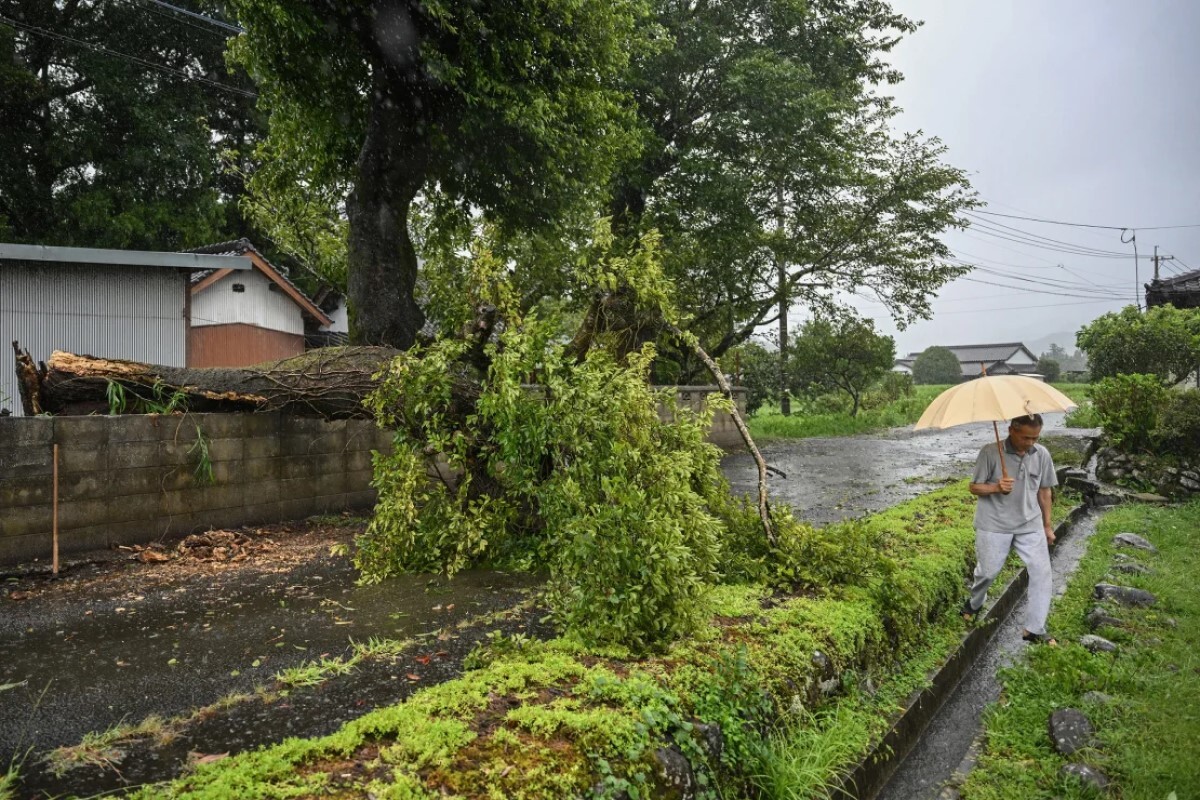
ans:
(836, 478)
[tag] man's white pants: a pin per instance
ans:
(992, 548)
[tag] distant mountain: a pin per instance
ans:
(1064, 340)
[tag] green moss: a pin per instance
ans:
(542, 721)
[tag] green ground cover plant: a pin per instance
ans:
(1149, 733)
(539, 720)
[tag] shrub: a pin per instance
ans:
(937, 365)
(1178, 429)
(845, 553)
(891, 387)
(1049, 369)
(1128, 407)
(1163, 342)
(758, 371)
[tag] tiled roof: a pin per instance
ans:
(976, 353)
(1186, 282)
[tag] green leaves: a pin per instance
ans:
(1164, 342)
(554, 461)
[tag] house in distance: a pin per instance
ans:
(1009, 358)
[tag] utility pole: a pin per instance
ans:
(1157, 259)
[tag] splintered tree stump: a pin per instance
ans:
(329, 383)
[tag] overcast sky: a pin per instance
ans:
(1085, 111)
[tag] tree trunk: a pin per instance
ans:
(329, 383)
(382, 260)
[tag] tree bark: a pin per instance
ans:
(329, 383)
(382, 260)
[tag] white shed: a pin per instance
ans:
(107, 303)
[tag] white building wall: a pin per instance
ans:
(340, 317)
(263, 303)
(127, 312)
(1019, 359)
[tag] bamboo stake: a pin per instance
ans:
(54, 564)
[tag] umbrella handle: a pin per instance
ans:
(1000, 450)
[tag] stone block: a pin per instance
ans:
(221, 426)
(139, 509)
(256, 424)
(25, 520)
(298, 508)
(144, 427)
(82, 431)
(221, 449)
(201, 500)
(359, 501)
(78, 458)
(88, 513)
(261, 447)
(26, 431)
(358, 461)
(26, 460)
(135, 455)
(358, 481)
(27, 547)
(301, 467)
(257, 470)
(296, 488)
(25, 492)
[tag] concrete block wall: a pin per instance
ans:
(724, 433)
(132, 479)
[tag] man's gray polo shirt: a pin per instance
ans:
(1017, 512)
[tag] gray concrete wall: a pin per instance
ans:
(132, 479)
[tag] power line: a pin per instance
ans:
(1051, 245)
(125, 56)
(989, 225)
(1035, 291)
(158, 12)
(1093, 287)
(1022, 307)
(194, 15)
(1085, 225)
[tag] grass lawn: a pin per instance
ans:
(768, 423)
(1148, 735)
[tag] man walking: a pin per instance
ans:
(1014, 512)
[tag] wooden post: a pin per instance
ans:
(54, 501)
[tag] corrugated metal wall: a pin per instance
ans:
(107, 311)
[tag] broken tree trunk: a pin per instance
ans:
(330, 383)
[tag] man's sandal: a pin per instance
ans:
(967, 612)
(1039, 638)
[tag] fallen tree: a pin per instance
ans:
(329, 382)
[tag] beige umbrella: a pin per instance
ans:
(992, 398)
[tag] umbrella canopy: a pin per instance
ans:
(991, 399)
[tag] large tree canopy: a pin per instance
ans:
(113, 122)
(510, 108)
(771, 169)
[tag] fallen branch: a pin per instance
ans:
(764, 511)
